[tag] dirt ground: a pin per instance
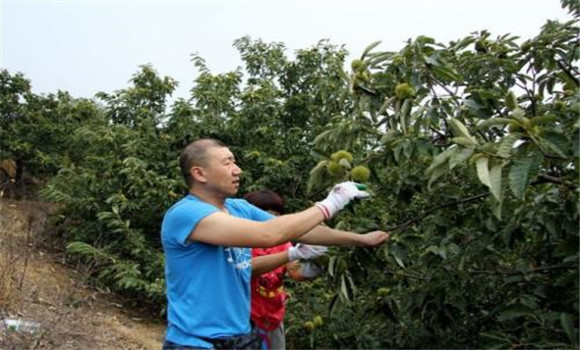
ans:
(36, 286)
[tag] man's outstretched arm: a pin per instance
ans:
(323, 235)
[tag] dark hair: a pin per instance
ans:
(266, 200)
(195, 154)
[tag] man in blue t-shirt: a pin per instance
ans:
(207, 237)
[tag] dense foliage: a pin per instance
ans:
(471, 149)
(473, 155)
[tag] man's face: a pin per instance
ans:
(221, 171)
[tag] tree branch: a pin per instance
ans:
(434, 209)
(556, 180)
(568, 72)
(539, 269)
(497, 109)
(530, 96)
(441, 135)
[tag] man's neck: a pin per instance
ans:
(208, 197)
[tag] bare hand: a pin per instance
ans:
(375, 238)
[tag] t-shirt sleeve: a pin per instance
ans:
(182, 220)
(258, 214)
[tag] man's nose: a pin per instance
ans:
(237, 170)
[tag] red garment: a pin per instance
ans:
(268, 295)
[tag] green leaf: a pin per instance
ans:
(432, 60)
(459, 157)
(437, 173)
(464, 43)
(460, 130)
(558, 140)
(332, 265)
(461, 265)
(473, 105)
(408, 149)
(441, 158)
(576, 145)
(390, 135)
(550, 146)
(519, 115)
(369, 48)
(463, 141)
(507, 143)
(499, 337)
(351, 284)
(406, 108)
(332, 305)
(495, 180)
(322, 137)
(520, 174)
(568, 327)
(316, 175)
(343, 288)
(397, 150)
(379, 57)
(513, 311)
(483, 171)
(397, 258)
(543, 120)
(492, 122)
(446, 73)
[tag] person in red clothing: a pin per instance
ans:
(268, 297)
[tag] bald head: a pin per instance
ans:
(195, 154)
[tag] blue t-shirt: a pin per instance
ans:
(208, 286)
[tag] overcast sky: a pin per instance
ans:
(89, 46)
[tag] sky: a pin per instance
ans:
(87, 46)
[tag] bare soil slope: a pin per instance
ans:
(36, 286)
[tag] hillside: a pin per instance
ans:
(53, 298)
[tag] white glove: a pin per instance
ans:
(305, 252)
(310, 270)
(340, 196)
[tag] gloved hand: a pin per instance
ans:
(310, 270)
(305, 252)
(303, 270)
(340, 196)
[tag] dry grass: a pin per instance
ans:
(14, 256)
(9, 280)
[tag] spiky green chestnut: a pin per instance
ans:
(335, 170)
(358, 65)
(360, 173)
(342, 154)
(511, 101)
(404, 91)
(383, 291)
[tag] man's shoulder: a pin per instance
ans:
(238, 202)
(182, 217)
(238, 206)
(244, 209)
(186, 204)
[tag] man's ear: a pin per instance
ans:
(198, 174)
